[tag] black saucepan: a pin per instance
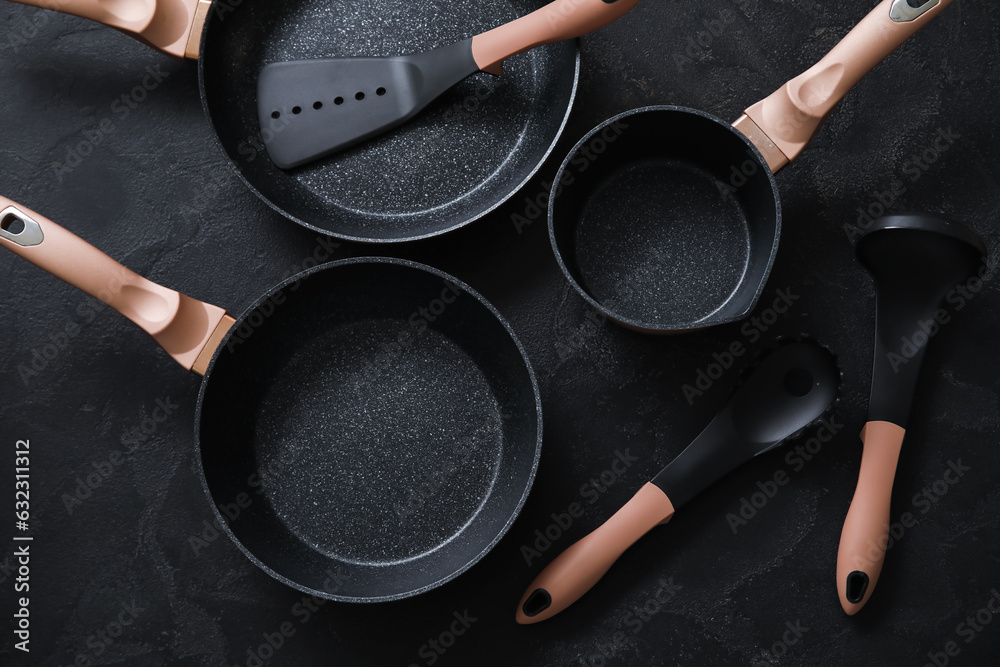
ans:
(667, 219)
(462, 157)
(377, 421)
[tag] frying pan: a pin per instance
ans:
(667, 219)
(380, 416)
(462, 157)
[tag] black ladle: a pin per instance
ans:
(916, 261)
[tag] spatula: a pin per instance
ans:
(790, 389)
(915, 260)
(309, 109)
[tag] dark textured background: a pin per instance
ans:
(157, 195)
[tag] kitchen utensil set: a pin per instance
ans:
(674, 228)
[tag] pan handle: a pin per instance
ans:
(555, 22)
(866, 530)
(184, 327)
(171, 26)
(576, 570)
(792, 115)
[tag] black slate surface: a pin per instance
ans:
(156, 194)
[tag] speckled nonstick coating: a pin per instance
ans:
(459, 159)
(649, 228)
(375, 424)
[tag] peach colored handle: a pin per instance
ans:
(577, 569)
(555, 22)
(181, 325)
(866, 530)
(172, 26)
(792, 115)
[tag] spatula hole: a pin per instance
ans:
(380, 92)
(276, 115)
(317, 105)
(338, 101)
(12, 224)
(296, 110)
(359, 97)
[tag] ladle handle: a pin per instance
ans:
(171, 26)
(576, 570)
(792, 115)
(555, 22)
(183, 326)
(865, 537)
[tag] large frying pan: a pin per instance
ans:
(668, 219)
(462, 157)
(380, 417)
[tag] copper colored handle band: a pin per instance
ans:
(866, 530)
(576, 570)
(181, 325)
(792, 115)
(555, 22)
(172, 26)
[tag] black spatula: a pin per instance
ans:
(313, 108)
(916, 260)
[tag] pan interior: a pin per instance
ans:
(658, 228)
(381, 424)
(463, 155)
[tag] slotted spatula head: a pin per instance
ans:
(309, 109)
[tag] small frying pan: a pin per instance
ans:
(668, 219)
(382, 416)
(419, 181)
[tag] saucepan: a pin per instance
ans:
(667, 219)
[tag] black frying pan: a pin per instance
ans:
(668, 219)
(380, 417)
(462, 157)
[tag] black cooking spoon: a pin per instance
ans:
(791, 389)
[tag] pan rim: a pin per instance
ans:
(217, 141)
(515, 510)
(658, 327)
